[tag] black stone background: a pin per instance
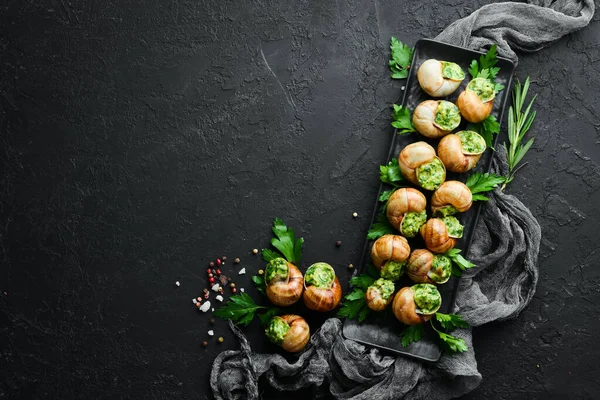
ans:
(141, 139)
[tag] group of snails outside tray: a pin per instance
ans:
(406, 211)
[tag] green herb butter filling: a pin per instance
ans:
(392, 270)
(427, 298)
(277, 329)
(447, 116)
(320, 275)
(454, 228)
(483, 88)
(431, 175)
(452, 71)
(445, 211)
(385, 287)
(441, 269)
(412, 222)
(277, 269)
(471, 142)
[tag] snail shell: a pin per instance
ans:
(432, 81)
(452, 155)
(403, 201)
(389, 248)
(323, 298)
(285, 292)
(298, 335)
(423, 120)
(412, 157)
(452, 193)
(436, 237)
(420, 265)
(471, 107)
(405, 309)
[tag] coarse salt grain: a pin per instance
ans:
(219, 297)
(216, 287)
(194, 301)
(211, 333)
(242, 271)
(177, 283)
(204, 307)
(242, 289)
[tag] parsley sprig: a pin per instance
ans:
(241, 309)
(400, 58)
(481, 183)
(401, 120)
(459, 263)
(487, 129)
(486, 67)
(391, 173)
(518, 124)
(285, 241)
(448, 322)
(355, 303)
(381, 226)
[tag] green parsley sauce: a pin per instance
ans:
(277, 329)
(452, 71)
(412, 222)
(441, 269)
(471, 142)
(277, 269)
(427, 298)
(455, 229)
(483, 88)
(447, 116)
(431, 175)
(320, 275)
(445, 211)
(385, 287)
(392, 270)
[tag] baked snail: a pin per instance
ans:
(439, 78)
(284, 282)
(461, 151)
(476, 101)
(416, 304)
(380, 294)
(436, 118)
(451, 197)
(291, 332)
(440, 234)
(389, 254)
(425, 267)
(420, 166)
(406, 211)
(322, 288)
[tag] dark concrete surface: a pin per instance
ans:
(141, 139)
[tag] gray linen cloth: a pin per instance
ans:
(505, 251)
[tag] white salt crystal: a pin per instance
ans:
(242, 271)
(216, 287)
(177, 283)
(211, 333)
(219, 297)
(194, 301)
(204, 307)
(242, 289)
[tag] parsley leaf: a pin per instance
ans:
(401, 120)
(487, 129)
(355, 305)
(362, 281)
(485, 67)
(385, 195)
(451, 321)
(266, 317)
(481, 183)
(401, 57)
(240, 308)
(390, 173)
(412, 334)
(268, 254)
(452, 343)
(459, 263)
(380, 227)
(260, 284)
(285, 241)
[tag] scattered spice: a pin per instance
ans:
(205, 290)
(210, 275)
(206, 295)
(204, 307)
(350, 266)
(194, 301)
(220, 339)
(204, 344)
(232, 285)
(177, 283)
(208, 270)
(355, 215)
(220, 290)
(211, 333)
(242, 290)
(224, 258)
(219, 297)
(237, 261)
(215, 287)
(260, 272)
(338, 243)
(224, 280)
(218, 272)
(218, 262)
(254, 251)
(211, 280)
(211, 264)
(234, 290)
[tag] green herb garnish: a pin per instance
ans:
(380, 227)
(355, 303)
(401, 120)
(286, 242)
(449, 322)
(390, 173)
(412, 334)
(459, 263)
(518, 124)
(401, 57)
(486, 129)
(481, 183)
(486, 67)
(241, 309)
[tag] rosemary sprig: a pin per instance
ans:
(518, 124)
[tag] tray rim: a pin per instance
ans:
(487, 167)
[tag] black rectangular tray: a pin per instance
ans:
(383, 331)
